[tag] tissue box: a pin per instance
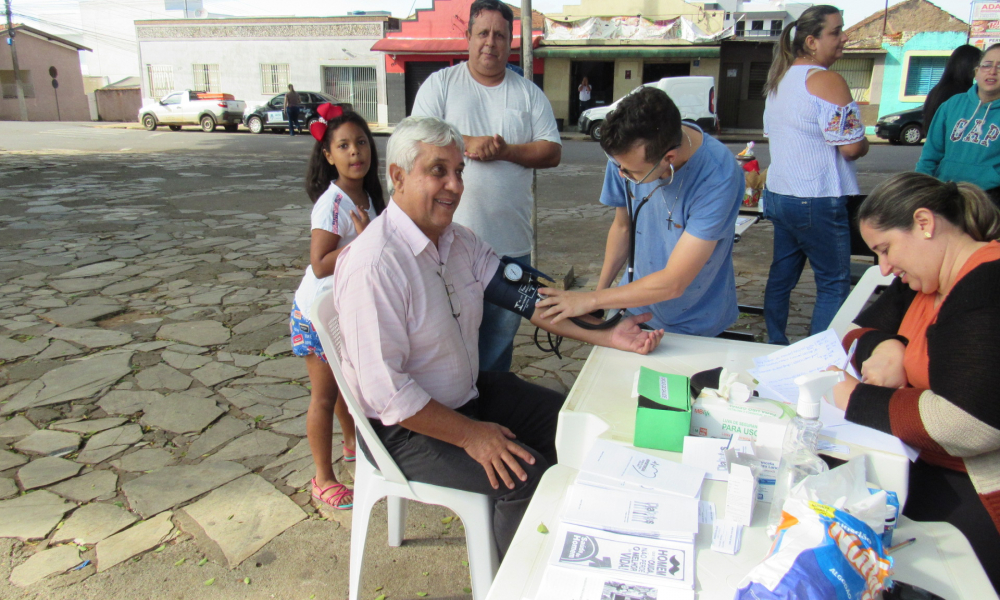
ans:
(663, 416)
(759, 420)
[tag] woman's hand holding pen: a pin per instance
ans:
(885, 365)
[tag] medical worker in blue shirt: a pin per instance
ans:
(692, 188)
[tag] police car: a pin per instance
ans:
(271, 114)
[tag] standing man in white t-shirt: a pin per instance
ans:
(509, 129)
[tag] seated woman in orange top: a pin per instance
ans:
(929, 350)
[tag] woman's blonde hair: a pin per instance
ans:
(892, 204)
(790, 46)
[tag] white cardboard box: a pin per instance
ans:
(759, 420)
(741, 494)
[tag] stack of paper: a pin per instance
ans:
(663, 516)
(612, 465)
(626, 560)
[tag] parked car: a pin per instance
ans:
(904, 127)
(188, 107)
(694, 96)
(271, 115)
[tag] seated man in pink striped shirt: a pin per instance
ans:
(410, 292)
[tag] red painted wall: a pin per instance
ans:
(445, 19)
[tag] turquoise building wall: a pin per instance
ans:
(895, 55)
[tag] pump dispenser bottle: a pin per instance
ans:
(798, 451)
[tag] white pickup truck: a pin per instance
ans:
(193, 108)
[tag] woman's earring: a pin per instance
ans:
(927, 234)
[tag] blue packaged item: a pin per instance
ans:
(819, 553)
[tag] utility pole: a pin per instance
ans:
(529, 72)
(17, 72)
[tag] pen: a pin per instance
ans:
(850, 354)
(908, 542)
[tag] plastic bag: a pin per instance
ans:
(819, 553)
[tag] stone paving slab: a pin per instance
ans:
(72, 315)
(42, 564)
(196, 333)
(49, 443)
(11, 349)
(171, 486)
(16, 428)
(215, 373)
(73, 382)
(215, 436)
(163, 377)
(32, 516)
(10, 459)
(181, 413)
(8, 488)
(225, 524)
(88, 426)
(256, 443)
(134, 540)
(94, 522)
(122, 402)
(90, 486)
(45, 471)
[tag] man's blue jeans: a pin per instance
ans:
(496, 334)
(813, 228)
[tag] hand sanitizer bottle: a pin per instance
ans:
(798, 452)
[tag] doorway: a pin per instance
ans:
(657, 71)
(416, 73)
(601, 76)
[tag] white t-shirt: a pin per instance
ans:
(332, 212)
(584, 93)
(496, 204)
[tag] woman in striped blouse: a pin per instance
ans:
(815, 133)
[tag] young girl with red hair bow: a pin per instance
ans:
(342, 182)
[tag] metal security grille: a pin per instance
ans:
(161, 80)
(9, 84)
(273, 78)
(923, 74)
(758, 77)
(206, 78)
(356, 85)
(857, 72)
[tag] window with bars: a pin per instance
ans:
(273, 78)
(206, 78)
(923, 73)
(356, 85)
(857, 72)
(161, 80)
(757, 79)
(9, 84)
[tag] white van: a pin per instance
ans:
(694, 97)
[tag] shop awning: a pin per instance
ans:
(398, 45)
(613, 52)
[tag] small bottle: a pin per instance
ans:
(798, 452)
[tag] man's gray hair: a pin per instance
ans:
(404, 144)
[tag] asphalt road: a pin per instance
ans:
(882, 160)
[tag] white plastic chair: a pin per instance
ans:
(859, 296)
(372, 482)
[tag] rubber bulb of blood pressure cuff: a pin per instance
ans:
(799, 458)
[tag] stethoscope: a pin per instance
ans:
(633, 215)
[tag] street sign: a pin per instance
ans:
(55, 84)
(53, 73)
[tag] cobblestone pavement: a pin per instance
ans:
(152, 419)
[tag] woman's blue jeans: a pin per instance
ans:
(813, 228)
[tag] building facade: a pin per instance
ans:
(433, 40)
(256, 58)
(895, 56)
(617, 53)
(47, 98)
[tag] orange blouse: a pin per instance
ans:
(923, 313)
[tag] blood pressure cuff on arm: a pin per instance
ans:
(518, 297)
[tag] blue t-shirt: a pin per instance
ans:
(704, 200)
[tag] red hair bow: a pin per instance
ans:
(326, 112)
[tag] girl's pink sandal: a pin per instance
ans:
(339, 491)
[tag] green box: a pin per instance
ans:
(663, 416)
